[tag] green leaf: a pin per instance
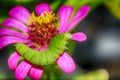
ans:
(92, 3)
(55, 5)
(101, 74)
(114, 7)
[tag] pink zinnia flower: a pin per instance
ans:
(36, 33)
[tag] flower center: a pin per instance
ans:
(42, 28)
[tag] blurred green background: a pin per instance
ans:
(98, 57)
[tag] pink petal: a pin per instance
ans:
(36, 73)
(41, 8)
(9, 32)
(11, 22)
(66, 63)
(44, 48)
(79, 36)
(81, 13)
(29, 44)
(20, 13)
(13, 60)
(7, 40)
(22, 70)
(36, 48)
(64, 14)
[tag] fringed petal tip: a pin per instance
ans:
(13, 61)
(64, 14)
(40, 8)
(7, 40)
(66, 63)
(22, 70)
(10, 32)
(11, 22)
(36, 73)
(86, 7)
(80, 14)
(79, 36)
(20, 13)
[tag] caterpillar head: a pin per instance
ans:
(60, 41)
(67, 36)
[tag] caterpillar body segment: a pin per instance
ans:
(56, 47)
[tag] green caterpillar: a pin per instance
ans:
(56, 47)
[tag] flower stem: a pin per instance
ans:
(48, 75)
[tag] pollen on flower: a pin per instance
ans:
(42, 28)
